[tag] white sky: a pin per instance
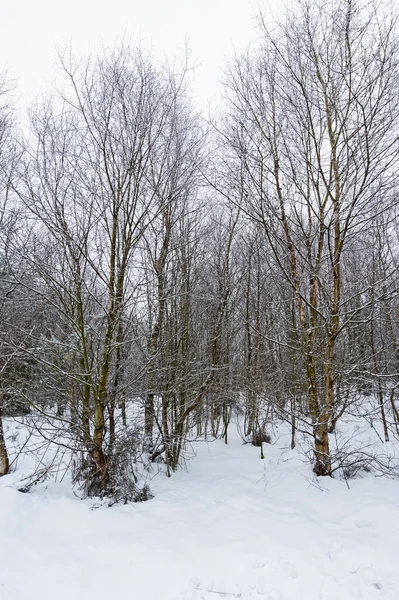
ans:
(31, 29)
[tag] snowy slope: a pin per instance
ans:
(230, 526)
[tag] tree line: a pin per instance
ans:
(159, 272)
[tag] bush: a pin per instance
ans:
(260, 437)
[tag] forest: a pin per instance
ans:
(163, 274)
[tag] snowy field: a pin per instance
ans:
(228, 526)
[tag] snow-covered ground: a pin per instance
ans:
(229, 526)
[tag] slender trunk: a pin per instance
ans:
(322, 465)
(122, 406)
(170, 459)
(329, 382)
(382, 409)
(4, 460)
(118, 375)
(293, 423)
(319, 416)
(394, 409)
(73, 407)
(85, 405)
(250, 396)
(379, 385)
(111, 421)
(320, 420)
(381, 400)
(100, 481)
(155, 339)
(226, 421)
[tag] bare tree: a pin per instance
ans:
(96, 179)
(7, 223)
(313, 122)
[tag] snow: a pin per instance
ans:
(228, 526)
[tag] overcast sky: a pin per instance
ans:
(31, 29)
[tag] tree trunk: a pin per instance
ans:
(100, 483)
(4, 460)
(293, 423)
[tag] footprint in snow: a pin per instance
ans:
(212, 590)
(290, 569)
(261, 586)
(363, 523)
(334, 550)
(258, 565)
(262, 589)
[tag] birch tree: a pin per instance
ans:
(94, 182)
(313, 123)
